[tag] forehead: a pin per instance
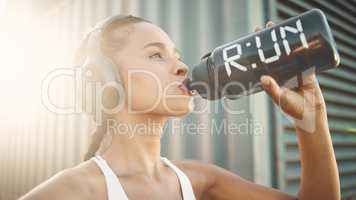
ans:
(145, 33)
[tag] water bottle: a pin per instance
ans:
(282, 51)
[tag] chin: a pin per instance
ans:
(181, 113)
(181, 107)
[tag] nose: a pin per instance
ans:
(181, 69)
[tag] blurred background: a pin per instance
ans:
(38, 36)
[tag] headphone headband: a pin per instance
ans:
(94, 36)
(107, 21)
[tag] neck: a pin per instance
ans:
(136, 146)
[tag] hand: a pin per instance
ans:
(303, 104)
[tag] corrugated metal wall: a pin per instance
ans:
(339, 90)
(45, 142)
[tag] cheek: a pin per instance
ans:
(150, 89)
(144, 91)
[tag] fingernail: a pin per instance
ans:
(265, 81)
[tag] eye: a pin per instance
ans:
(156, 55)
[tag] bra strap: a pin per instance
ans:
(187, 189)
(113, 185)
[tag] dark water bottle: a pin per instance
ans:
(281, 51)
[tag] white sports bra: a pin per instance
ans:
(115, 190)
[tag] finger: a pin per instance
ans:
(309, 78)
(257, 28)
(309, 81)
(269, 24)
(291, 103)
(271, 87)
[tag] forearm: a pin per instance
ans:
(319, 175)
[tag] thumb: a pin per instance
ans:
(288, 100)
(271, 87)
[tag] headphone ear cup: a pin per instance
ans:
(105, 87)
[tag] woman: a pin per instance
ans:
(130, 166)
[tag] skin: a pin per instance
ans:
(136, 160)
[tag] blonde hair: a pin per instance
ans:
(112, 40)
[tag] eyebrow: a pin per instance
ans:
(160, 45)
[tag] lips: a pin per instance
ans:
(185, 90)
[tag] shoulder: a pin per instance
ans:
(201, 168)
(196, 166)
(71, 183)
(203, 175)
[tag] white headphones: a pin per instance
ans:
(98, 67)
(95, 60)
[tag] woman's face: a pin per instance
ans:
(151, 71)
